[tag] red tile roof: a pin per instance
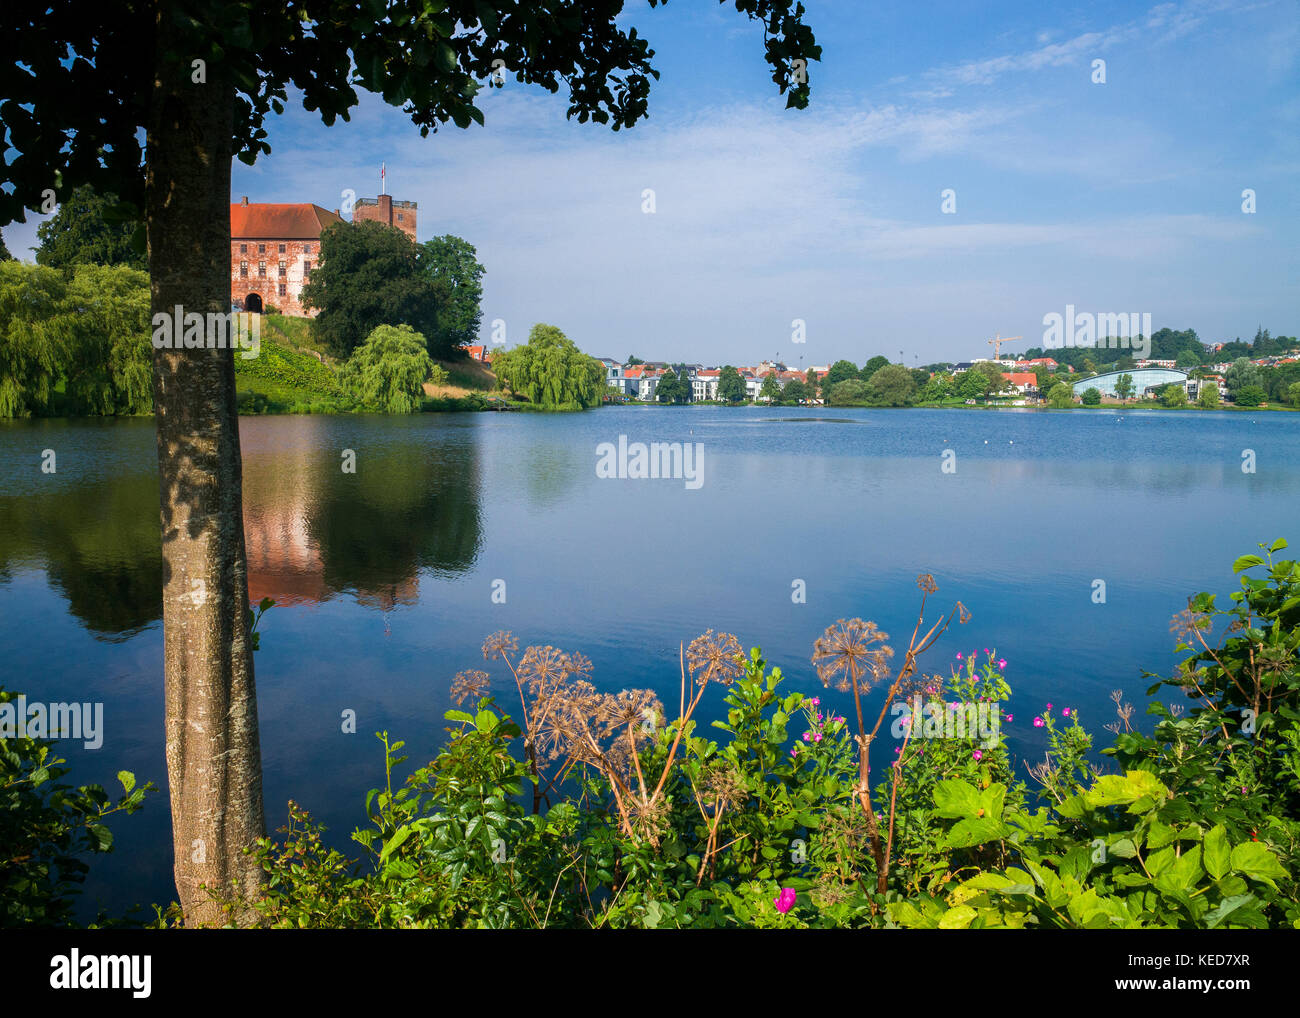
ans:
(280, 222)
(1021, 378)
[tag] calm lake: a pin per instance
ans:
(384, 578)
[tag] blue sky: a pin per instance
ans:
(1115, 197)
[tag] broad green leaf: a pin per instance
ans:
(1257, 862)
(956, 798)
(958, 918)
(1218, 855)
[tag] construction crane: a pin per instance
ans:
(997, 342)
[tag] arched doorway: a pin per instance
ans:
(253, 302)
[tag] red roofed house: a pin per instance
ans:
(1022, 380)
(272, 248)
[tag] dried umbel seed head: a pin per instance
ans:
(543, 667)
(963, 614)
(723, 786)
(499, 644)
(851, 652)
(926, 583)
(638, 708)
(1187, 622)
(715, 657)
(471, 685)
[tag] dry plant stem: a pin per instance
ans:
(529, 748)
(883, 852)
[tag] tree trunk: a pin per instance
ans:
(213, 756)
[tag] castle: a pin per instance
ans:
(273, 247)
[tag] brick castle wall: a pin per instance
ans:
(274, 270)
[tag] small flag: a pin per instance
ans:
(382, 168)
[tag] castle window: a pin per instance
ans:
(243, 249)
(243, 270)
(261, 268)
(281, 289)
(261, 249)
(306, 266)
(281, 249)
(399, 217)
(282, 268)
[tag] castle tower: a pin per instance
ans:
(384, 209)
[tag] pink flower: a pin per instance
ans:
(898, 749)
(806, 736)
(986, 650)
(977, 755)
(1049, 706)
(958, 655)
(816, 701)
(1006, 717)
(785, 900)
(840, 719)
(1038, 722)
(1065, 712)
(817, 737)
(1002, 663)
(794, 750)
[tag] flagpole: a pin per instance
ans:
(383, 184)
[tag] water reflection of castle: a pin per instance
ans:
(312, 532)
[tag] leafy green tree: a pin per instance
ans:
(1124, 386)
(973, 385)
(993, 372)
(1091, 396)
(1242, 373)
(1174, 396)
(368, 275)
(90, 229)
(674, 387)
(1293, 393)
(109, 371)
(36, 333)
(872, 366)
(389, 369)
(891, 385)
(771, 387)
(152, 102)
(850, 392)
(1187, 359)
(1208, 397)
(940, 387)
(457, 277)
(836, 373)
(794, 391)
(5, 256)
(1250, 395)
(550, 371)
(632, 362)
(731, 387)
(812, 383)
(1060, 397)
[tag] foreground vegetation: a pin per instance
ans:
(578, 808)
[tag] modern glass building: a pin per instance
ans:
(1143, 379)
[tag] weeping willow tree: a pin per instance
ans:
(389, 369)
(86, 332)
(550, 371)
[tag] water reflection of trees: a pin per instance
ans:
(409, 506)
(98, 544)
(311, 530)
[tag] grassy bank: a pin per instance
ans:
(293, 374)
